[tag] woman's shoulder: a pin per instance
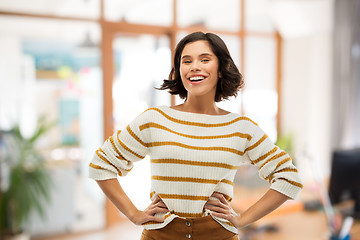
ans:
(152, 112)
(155, 110)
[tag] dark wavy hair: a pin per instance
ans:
(231, 79)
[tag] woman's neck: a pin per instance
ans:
(203, 106)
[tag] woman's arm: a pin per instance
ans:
(266, 204)
(118, 197)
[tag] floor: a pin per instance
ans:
(292, 226)
(289, 222)
(121, 231)
(279, 228)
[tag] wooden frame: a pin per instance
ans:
(109, 31)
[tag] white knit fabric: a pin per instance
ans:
(192, 156)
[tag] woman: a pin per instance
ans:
(195, 150)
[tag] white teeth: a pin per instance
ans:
(196, 78)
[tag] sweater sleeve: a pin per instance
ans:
(118, 153)
(274, 164)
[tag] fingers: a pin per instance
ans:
(215, 209)
(153, 211)
(220, 197)
(159, 204)
(157, 219)
(216, 203)
(221, 208)
(156, 206)
(157, 199)
(153, 218)
(222, 215)
(217, 206)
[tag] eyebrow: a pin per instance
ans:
(201, 55)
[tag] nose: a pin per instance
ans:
(195, 66)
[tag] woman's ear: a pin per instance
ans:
(220, 76)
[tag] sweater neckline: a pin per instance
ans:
(192, 114)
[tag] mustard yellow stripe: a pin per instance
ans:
(265, 155)
(271, 176)
(201, 124)
(105, 160)
(194, 163)
(102, 151)
(282, 162)
(227, 181)
(188, 179)
(188, 215)
(153, 222)
(230, 224)
(119, 156)
(95, 166)
(228, 198)
(257, 143)
(111, 139)
(127, 170)
(272, 158)
(185, 179)
(155, 125)
(291, 182)
(128, 149)
(184, 197)
(156, 144)
(102, 157)
(135, 136)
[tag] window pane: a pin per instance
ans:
(51, 68)
(213, 14)
(74, 8)
(260, 95)
(151, 12)
(141, 63)
(258, 16)
(260, 65)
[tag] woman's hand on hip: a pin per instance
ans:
(221, 208)
(156, 206)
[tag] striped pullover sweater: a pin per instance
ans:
(192, 156)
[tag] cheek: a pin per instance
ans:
(183, 72)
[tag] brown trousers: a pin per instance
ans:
(204, 228)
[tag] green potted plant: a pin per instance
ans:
(285, 142)
(27, 180)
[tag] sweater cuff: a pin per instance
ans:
(286, 188)
(101, 174)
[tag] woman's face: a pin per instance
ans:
(199, 69)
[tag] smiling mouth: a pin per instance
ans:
(197, 79)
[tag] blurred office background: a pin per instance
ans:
(90, 66)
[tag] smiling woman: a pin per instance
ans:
(195, 150)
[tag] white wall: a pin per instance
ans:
(306, 106)
(307, 86)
